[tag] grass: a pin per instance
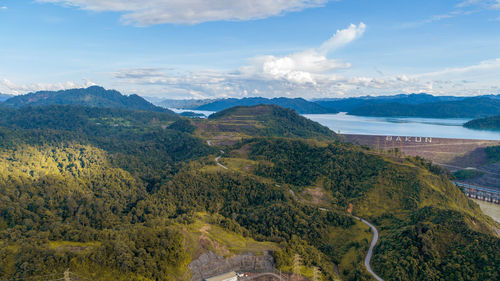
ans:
(69, 244)
(205, 235)
(239, 164)
(350, 244)
(467, 174)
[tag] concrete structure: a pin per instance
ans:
(229, 276)
(210, 264)
(480, 192)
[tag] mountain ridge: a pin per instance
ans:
(300, 105)
(94, 96)
(4, 97)
(269, 120)
(470, 107)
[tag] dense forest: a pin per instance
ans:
(116, 194)
(488, 123)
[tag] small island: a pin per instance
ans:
(489, 123)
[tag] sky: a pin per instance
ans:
(184, 49)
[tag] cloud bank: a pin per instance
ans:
(7, 86)
(310, 74)
(469, 80)
(299, 74)
(150, 12)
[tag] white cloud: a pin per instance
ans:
(484, 66)
(475, 79)
(305, 73)
(309, 74)
(488, 4)
(463, 8)
(306, 66)
(342, 38)
(149, 12)
(3, 8)
(10, 87)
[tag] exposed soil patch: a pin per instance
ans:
(316, 196)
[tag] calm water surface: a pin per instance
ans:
(393, 126)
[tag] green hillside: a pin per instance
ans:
(300, 105)
(117, 195)
(266, 120)
(93, 96)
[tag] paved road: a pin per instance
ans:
(217, 160)
(368, 257)
(218, 157)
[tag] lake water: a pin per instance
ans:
(206, 113)
(392, 126)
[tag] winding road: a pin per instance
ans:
(218, 157)
(217, 161)
(368, 257)
(369, 254)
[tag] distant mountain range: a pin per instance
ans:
(472, 107)
(94, 96)
(183, 104)
(349, 104)
(4, 97)
(411, 105)
(300, 105)
(403, 105)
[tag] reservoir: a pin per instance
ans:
(401, 126)
(393, 126)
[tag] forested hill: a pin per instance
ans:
(488, 123)
(300, 105)
(465, 108)
(115, 194)
(268, 120)
(94, 96)
(183, 104)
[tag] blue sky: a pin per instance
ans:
(236, 48)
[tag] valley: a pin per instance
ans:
(154, 196)
(249, 140)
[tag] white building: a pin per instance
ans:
(230, 276)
